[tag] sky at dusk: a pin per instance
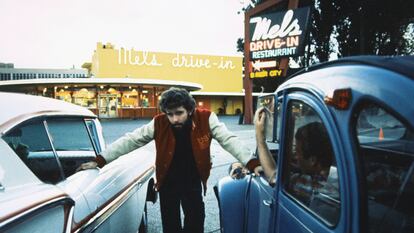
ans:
(63, 33)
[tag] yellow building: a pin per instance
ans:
(125, 83)
(219, 76)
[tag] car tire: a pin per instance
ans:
(143, 227)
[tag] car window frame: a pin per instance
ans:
(95, 140)
(43, 121)
(359, 106)
(327, 118)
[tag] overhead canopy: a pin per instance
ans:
(15, 85)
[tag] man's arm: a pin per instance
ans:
(129, 142)
(231, 143)
(121, 146)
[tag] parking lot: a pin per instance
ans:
(114, 129)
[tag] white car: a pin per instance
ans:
(43, 142)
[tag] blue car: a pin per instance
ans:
(342, 136)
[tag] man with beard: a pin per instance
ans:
(182, 135)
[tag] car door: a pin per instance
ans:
(52, 148)
(309, 199)
(122, 185)
(261, 196)
(102, 205)
(115, 194)
(111, 199)
(26, 204)
(260, 205)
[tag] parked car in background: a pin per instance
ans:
(364, 112)
(43, 142)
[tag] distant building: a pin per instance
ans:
(8, 72)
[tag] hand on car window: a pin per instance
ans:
(258, 171)
(87, 165)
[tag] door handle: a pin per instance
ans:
(268, 203)
(1, 187)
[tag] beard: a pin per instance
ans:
(178, 125)
(181, 126)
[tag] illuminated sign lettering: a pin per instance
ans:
(272, 73)
(279, 34)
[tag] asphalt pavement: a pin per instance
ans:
(115, 128)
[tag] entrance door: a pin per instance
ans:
(108, 106)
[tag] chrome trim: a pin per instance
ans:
(95, 221)
(5, 223)
(62, 175)
(69, 219)
(268, 203)
(90, 136)
(338, 202)
(10, 124)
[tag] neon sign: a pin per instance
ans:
(279, 34)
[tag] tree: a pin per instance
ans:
(356, 27)
(374, 27)
(324, 17)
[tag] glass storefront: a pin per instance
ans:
(85, 98)
(108, 105)
(129, 99)
(113, 102)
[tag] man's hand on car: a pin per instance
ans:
(238, 171)
(87, 165)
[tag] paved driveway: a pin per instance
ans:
(113, 129)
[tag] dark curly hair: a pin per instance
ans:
(315, 142)
(175, 98)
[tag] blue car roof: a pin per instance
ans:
(403, 65)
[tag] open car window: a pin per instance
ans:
(40, 142)
(386, 148)
(69, 134)
(31, 143)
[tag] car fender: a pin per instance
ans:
(230, 195)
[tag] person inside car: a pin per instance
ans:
(313, 157)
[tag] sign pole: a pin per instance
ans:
(247, 81)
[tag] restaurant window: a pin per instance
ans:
(64, 95)
(130, 98)
(147, 97)
(85, 98)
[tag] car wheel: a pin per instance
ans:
(143, 227)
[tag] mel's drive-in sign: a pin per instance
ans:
(279, 34)
(276, 35)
